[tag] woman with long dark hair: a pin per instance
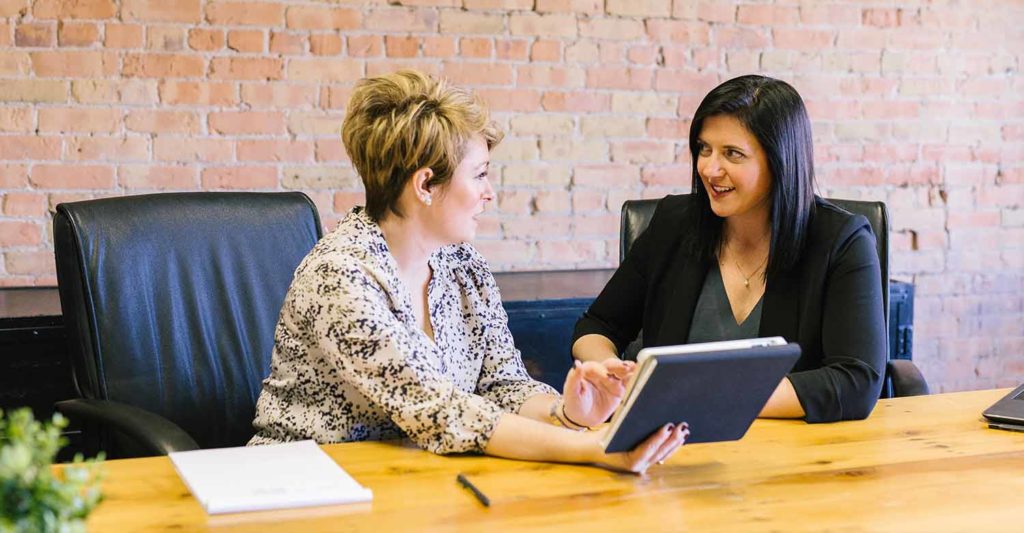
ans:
(752, 252)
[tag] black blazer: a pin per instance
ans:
(830, 303)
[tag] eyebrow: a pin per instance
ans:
(702, 142)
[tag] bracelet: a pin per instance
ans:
(573, 422)
(563, 420)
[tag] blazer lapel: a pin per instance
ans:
(781, 312)
(683, 287)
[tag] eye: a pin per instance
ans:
(734, 154)
(482, 175)
(703, 150)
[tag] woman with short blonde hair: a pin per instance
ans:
(393, 325)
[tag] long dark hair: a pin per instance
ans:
(775, 114)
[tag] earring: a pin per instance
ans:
(427, 199)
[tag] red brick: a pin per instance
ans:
(619, 78)
(197, 93)
(800, 39)
(683, 32)
(555, 25)
(559, 201)
(399, 19)
(475, 47)
(639, 8)
(157, 177)
(330, 150)
(335, 96)
(122, 35)
(438, 46)
(478, 73)
(246, 122)
(365, 45)
(192, 149)
(623, 29)
(287, 43)
(922, 39)
(245, 14)
(345, 201)
(668, 128)
(882, 17)
(24, 204)
(74, 64)
(239, 178)
(323, 18)
(401, 46)
(862, 38)
(767, 15)
(205, 39)
(14, 147)
(643, 54)
(830, 15)
(262, 95)
(325, 69)
(549, 76)
(14, 233)
(246, 68)
(538, 227)
(35, 34)
(589, 7)
(498, 4)
(520, 100)
(325, 44)
(740, 37)
(30, 263)
(66, 120)
(683, 81)
(513, 49)
(77, 33)
(74, 9)
(15, 64)
(609, 175)
(275, 150)
(163, 66)
(107, 148)
(16, 119)
(152, 121)
(72, 177)
(6, 34)
(13, 8)
(578, 102)
(546, 50)
(165, 38)
(669, 175)
(246, 41)
(13, 176)
(467, 22)
(161, 10)
(596, 226)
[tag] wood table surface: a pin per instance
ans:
(926, 463)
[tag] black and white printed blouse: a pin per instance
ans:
(350, 362)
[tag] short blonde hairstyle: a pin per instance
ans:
(399, 123)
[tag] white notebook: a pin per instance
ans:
(260, 478)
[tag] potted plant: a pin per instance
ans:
(33, 497)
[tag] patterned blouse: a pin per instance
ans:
(350, 362)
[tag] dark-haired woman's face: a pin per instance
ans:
(734, 168)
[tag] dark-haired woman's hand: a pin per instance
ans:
(594, 390)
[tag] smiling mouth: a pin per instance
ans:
(722, 190)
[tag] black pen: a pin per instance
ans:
(461, 478)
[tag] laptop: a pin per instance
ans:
(718, 388)
(1007, 413)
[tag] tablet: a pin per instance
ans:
(718, 388)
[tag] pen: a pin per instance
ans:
(461, 478)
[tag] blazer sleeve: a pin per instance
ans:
(367, 344)
(853, 337)
(617, 312)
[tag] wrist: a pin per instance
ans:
(557, 416)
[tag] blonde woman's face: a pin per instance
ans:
(464, 198)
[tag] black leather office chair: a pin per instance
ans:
(902, 377)
(170, 303)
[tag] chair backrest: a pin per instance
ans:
(170, 300)
(636, 215)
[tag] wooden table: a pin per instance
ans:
(918, 464)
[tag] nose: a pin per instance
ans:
(708, 166)
(488, 190)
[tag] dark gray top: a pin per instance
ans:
(713, 319)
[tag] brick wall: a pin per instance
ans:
(921, 106)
